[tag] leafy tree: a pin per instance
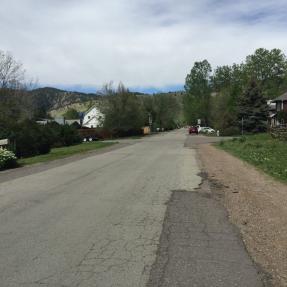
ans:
(167, 108)
(71, 114)
(123, 110)
(252, 108)
(223, 114)
(198, 90)
(269, 69)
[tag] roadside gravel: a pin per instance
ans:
(256, 203)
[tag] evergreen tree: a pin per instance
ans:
(252, 108)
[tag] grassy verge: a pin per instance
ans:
(261, 150)
(62, 152)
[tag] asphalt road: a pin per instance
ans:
(103, 221)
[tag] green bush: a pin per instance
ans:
(63, 135)
(7, 159)
(230, 131)
(30, 138)
(242, 139)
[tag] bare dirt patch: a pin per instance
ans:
(256, 203)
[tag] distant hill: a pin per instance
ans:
(41, 102)
(50, 99)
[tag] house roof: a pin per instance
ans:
(90, 109)
(281, 98)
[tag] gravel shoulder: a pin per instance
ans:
(256, 204)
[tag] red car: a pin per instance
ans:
(193, 130)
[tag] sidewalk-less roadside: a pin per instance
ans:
(256, 203)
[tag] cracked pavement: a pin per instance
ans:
(140, 215)
(199, 247)
(96, 221)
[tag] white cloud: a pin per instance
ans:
(140, 42)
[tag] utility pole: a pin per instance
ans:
(242, 125)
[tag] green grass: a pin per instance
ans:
(62, 152)
(261, 150)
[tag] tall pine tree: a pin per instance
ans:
(252, 108)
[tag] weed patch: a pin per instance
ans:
(261, 150)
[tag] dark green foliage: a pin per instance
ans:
(198, 91)
(252, 108)
(123, 110)
(163, 109)
(282, 116)
(29, 139)
(62, 135)
(167, 108)
(268, 68)
(71, 114)
(69, 135)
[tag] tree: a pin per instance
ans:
(11, 71)
(252, 108)
(13, 91)
(167, 109)
(123, 110)
(198, 90)
(269, 69)
(71, 114)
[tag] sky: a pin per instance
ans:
(149, 45)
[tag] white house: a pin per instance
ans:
(93, 118)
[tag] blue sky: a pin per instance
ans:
(148, 45)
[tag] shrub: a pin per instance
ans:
(231, 131)
(7, 159)
(63, 135)
(69, 135)
(242, 139)
(31, 139)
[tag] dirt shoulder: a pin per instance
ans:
(256, 203)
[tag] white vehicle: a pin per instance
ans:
(199, 128)
(207, 130)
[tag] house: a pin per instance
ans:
(93, 118)
(281, 105)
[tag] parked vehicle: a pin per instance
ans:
(207, 130)
(193, 130)
(90, 139)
